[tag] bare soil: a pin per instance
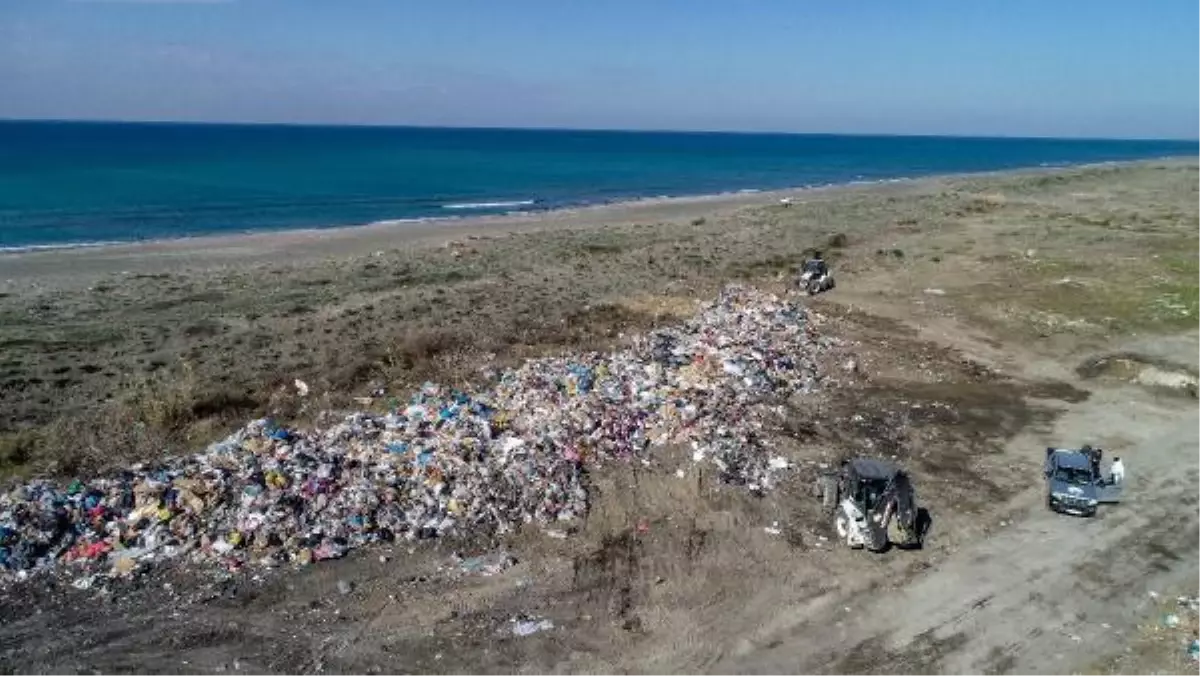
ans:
(968, 346)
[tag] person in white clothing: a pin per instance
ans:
(1116, 472)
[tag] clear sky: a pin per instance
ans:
(1103, 68)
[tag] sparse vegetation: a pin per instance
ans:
(164, 362)
(88, 380)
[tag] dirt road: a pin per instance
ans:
(1048, 593)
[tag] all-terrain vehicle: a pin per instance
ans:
(873, 505)
(1074, 483)
(815, 276)
(815, 283)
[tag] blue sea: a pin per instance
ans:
(65, 183)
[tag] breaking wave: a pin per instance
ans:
(490, 205)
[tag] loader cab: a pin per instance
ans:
(866, 480)
(868, 493)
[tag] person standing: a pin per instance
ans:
(1116, 473)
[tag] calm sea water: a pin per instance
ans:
(66, 183)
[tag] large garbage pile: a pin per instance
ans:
(448, 462)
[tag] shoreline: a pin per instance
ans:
(730, 198)
(81, 266)
(463, 214)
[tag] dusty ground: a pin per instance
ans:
(972, 303)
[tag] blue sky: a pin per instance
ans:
(1098, 68)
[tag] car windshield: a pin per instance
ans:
(1073, 475)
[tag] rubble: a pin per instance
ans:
(447, 462)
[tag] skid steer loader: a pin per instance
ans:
(872, 504)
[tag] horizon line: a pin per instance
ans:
(618, 130)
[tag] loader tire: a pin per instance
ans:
(828, 493)
(877, 540)
(841, 526)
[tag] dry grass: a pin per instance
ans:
(1030, 259)
(134, 366)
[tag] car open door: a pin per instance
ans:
(1107, 493)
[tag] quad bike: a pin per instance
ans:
(815, 283)
(873, 505)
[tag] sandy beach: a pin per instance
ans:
(66, 263)
(990, 316)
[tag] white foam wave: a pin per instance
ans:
(26, 248)
(489, 205)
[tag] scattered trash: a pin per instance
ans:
(773, 529)
(84, 583)
(345, 587)
(1153, 594)
(1194, 650)
(935, 292)
(530, 627)
(1171, 621)
(486, 565)
(444, 462)
(301, 387)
